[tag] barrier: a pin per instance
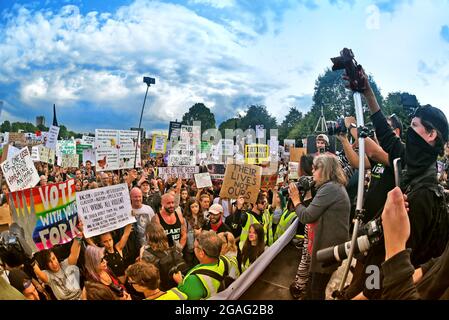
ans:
(247, 278)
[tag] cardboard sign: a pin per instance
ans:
(257, 153)
(70, 160)
(293, 170)
(19, 171)
(159, 144)
(52, 137)
(104, 209)
(48, 214)
(202, 180)
(116, 149)
(177, 172)
(269, 182)
(296, 154)
(241, 179)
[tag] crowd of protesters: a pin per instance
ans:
(189, 243)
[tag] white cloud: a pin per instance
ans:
(219, 4)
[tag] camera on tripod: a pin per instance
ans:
(304, 184)
(353, 70)
(369, 234)
(336, 127)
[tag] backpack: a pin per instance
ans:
(225, 279)
(168, 262)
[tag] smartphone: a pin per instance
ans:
(397, 166)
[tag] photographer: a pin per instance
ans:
(328, 216)
(401, 280)
(429, 220)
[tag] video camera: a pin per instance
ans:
(304, 184)
(369, 234)
(14, 251)
(353, 70)
(336, 127)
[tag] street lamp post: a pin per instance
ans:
(149, 81)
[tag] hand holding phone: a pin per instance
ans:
(397, 166)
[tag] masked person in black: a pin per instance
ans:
(428, 215)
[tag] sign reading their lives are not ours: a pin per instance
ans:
(104, 209)
(241, 180)
(48, 214)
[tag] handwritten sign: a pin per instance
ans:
(70, 160)
(159, 144)
(104, 209)
(177, 172)
(293, 170)
(52, 137)
(19, 171)
(241, 180)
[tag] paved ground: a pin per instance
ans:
(274, 282)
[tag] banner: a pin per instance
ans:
(177, 172)
(19, 171)
(48, 214)
(257, 153)
(70, 161)
(202, 180)
(241, 179)
(293, 170)
(182, 156)
(159, 144)
(104, 209)
(116, 149)
(52, 137)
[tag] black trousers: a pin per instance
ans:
(316, 288)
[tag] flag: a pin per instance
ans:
(38, 133)
(55, 121)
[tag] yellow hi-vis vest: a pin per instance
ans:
(286, 220)
(172, 294)
(267, 219)
(233, 266)
(245, 229)
(210, 284)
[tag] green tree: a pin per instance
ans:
(402, 104)
(5, 126)
(291, 120)
(233, 123)
(258, 115)
(199, 112)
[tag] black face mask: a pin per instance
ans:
(419, 155)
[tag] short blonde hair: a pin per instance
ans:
(331, 169)
(228, 242)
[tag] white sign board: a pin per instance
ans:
(181, 157)
(88, 155)
(203, 180)
(177, 172)
(12, 151)
(52, 137)
(116, 149)
(104, 209)
(70, 160)
(20, 172)
(293, 169)
(88, 140)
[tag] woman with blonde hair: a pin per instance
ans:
(229, 252)
(327, 216)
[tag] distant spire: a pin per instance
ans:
(55, 121)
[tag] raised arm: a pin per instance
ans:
(122, 243)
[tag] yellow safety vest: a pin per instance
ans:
(245, 265)
(210, 284)
(245, 229)
(172, 294)
(233, 265)
(286, 220)
(267, 219)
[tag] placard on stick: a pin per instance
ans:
(241, 179)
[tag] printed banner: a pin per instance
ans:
(70, 160)
(52, 137)
(241, 179)
(20, 172)
(48, 214)
(177, 172)
(104, 209)
(116, 149)
(202, 180)
(159, 143)
(257, 153)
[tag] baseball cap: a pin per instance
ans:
(216, 208)
(323, 137)
(434, 117)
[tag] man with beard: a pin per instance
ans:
(172, 221)
(429, 220)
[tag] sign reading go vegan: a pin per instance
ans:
(241, 180)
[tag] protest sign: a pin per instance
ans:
(88, 140)
(88, 155)
(216, 171)
(80, 149)
(47, 213)
(274, 149)
(268, 182)
(18, 138)
(70, 160)
(65, 147)
(104, 209)
(181, 156)
(174, 131)
(288, 143)
(43, 154)
(177, 172)
(296, 154)
(202, 180)
(8, 152)
(256, 153)
(241, 180)
(159, 144)
(52, 137)
(19, 171)
(293, 170)
(260, 131)
(116, 149)
(227, 146)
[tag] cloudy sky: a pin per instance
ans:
(88, 57)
